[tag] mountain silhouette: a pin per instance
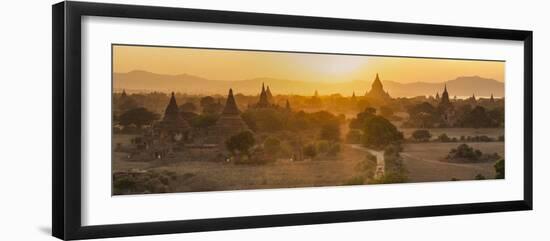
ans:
(143, 81)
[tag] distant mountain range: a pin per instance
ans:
(143, 81)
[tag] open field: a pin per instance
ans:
(193, 176)
(424, 165)
(457, 132)
(421, 159)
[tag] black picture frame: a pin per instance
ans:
(66, 129)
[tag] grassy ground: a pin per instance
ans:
(215, 176)
(423, 160)
(457, 132)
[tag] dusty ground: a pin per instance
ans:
(423, 162)
(421, 159)
(211, 176)
(457, 132)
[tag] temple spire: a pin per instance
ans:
(264, 101)
(230, 105)
(377, 84)
(172, 110)
(445, 97)
(287, 105)
(377, 92)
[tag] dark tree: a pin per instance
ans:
(138, 116)
(477, 118)
(265, 119)
(423, 116)
(240, 143)
(204, 120)
(207, 100)
(379, 132)
(444, 138)
(362, 117)
(421, 135)
(188, 107)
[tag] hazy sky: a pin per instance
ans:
(239, 65)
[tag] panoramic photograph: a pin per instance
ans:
(199, 119)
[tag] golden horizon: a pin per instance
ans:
(234, 65)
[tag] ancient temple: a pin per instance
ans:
(446, 109)
(377, 93)
(172, 127)
(230, 121)
(269, 95)
(473, 100)
(264, 99)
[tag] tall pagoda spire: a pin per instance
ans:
(172, 111)
(492, 98)
(377, 92)
(377, 84)
(445, 97)
(287, 105)
(123, 93)
(172, 121)
(230, 105)
(264, 102)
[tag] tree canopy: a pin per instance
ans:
(421, 135)
(240, 143)
(378, 132)
(137, 116)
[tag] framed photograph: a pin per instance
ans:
(169, 120)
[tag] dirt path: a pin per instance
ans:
(380, 162)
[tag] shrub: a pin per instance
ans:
(465, 153)
(421, 135)
(444, 138)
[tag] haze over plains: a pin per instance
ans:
(157, 68)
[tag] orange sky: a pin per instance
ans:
(239, 65)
